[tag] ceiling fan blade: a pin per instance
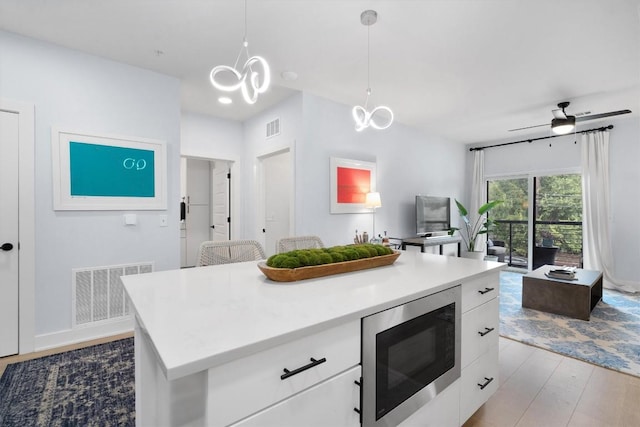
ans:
(559, 114)
(602, 115)
(528, 127)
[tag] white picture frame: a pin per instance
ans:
(107, 172)
(351, 180)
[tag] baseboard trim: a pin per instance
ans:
(84, 333)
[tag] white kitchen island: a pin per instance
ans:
(211, 343)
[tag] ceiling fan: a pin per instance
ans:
(563, 123)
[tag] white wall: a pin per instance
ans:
(408, 163)
(257, 145)
(316, 129)
(76, 91)
(565, 155)
(210, 137)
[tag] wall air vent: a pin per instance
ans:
(98, 294)
(273, 128)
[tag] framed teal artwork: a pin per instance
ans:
(108, 172)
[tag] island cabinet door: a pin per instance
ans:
(478, 382)
(248, 385)
(334, 402)
(480, 328)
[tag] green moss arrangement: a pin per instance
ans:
(310, 257)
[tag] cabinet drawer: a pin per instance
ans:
(478, 373)
(479, 290)
(330, 403)
(248, 385)
(480, 329)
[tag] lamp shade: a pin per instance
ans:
(563, 126)
(373, 200)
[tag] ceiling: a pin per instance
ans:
(467, 70)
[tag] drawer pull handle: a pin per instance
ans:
(486, 290)
(486, 331)
(314, 362)
(486, 383)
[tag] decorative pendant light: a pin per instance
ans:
(246, 79)
(361, 115)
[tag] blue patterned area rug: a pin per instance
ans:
(93, 386)
(610, 339)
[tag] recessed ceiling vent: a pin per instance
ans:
(273, 128)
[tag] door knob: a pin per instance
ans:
(6, 246)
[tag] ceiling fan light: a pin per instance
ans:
(563, 126)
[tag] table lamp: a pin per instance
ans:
(373, 201)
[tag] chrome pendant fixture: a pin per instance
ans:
(252, 79)
(363, 117)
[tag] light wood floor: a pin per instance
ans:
(540, 388)
(4, 361)
(537, 388)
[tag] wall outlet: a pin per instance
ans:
(164, 222)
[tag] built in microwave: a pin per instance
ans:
(410, 353)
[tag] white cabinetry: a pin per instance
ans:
(441, 411)
(251, 384)
(479, 359)
(480, 323)
(212, 343)
(330, 403)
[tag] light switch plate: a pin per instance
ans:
(130, 219)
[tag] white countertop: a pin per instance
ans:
(202, 317)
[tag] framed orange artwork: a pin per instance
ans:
(351, 180)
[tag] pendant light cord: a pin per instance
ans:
(366, 102)
(245, 43)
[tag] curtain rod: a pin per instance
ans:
(537, 139)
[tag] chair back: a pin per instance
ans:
(287, 244)
(227, 252)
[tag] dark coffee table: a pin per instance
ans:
(573, 298)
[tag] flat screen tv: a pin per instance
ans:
(433, 215)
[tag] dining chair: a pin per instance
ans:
(287, 244)
(229, 251)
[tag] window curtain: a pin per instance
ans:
(478, 194)
(596, 234)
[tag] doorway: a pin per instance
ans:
(22, 255)
(206, 205)
(9, 233)
(276, 206)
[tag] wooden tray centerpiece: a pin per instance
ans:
(311, 263)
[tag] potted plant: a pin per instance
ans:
(473, 229)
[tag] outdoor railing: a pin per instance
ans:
(565, 235)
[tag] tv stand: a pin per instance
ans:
(424, 242)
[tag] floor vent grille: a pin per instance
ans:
(98, 293)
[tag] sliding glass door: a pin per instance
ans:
(512, 218)
(541, 220)
(557, 221)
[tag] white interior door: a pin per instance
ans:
(277, 198)
(220, 188)
(9, 285)
(198, 207)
